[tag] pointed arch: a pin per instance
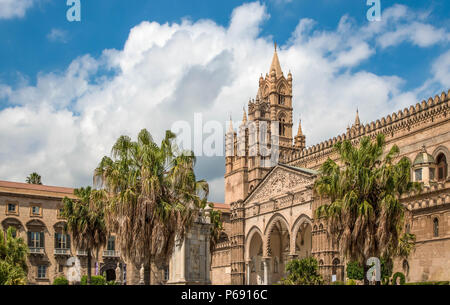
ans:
(248, 239)
(275, 217)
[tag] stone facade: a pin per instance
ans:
(190, 262)
(34, 211)
(272, 206)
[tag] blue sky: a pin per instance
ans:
(27, 50)
(68, 89)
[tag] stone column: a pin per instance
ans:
(141, 275)
(266, 262)
(248, 271)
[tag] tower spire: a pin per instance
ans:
(276, 63)
(230, 128)
(299, 132)
(244, 118)
(357, 122)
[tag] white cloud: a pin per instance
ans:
(14, 8)
(441, 69)
(63, 125)
(57, 35)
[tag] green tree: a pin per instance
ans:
(13, 259)
(303, 272)
(364, 214)
(152, 196)
(216, 226)
(355, 271)
(34, 178)
(86, 223)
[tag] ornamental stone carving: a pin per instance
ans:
(280, 182)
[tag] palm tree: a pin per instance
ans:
(152, 196)
(216, 226)
(13, 259)
(364, 214)
(86, 223)
(34, 178)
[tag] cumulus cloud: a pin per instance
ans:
(62, 125)
(57, 35)
(401, 24)
(14, 8)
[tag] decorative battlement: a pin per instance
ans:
(389, 125)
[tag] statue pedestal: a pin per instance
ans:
(190, 262)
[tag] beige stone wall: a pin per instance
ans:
(49, 217)
(220, 265)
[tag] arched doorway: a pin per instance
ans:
(303, 241)
(278, 243)
(110, 275)
(337, 270)
(255, 256)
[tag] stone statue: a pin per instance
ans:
(118, 274)
(74, 270)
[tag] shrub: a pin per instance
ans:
(112, 283)
(95, 280)
(351, 282)
(355, 271)
(338, 283)
(385, 280)
(303, 272)
(401, 276)
(60, 281)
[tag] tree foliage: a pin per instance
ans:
(303, 272)
(34, 178)
(86, 222)
(364, 214)
(151, 195)
(13, 259)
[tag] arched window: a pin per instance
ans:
(281, 99)
(281, 120)
(408, 228)
(441, 167)
(436, 227)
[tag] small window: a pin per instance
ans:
(36, 239)
(36, 210)
(61, 268)
(166, 273)
(42, 272)
(441, 167)
(436, 227)
(111, 243)
(62, 241)
(418, 175)
(12, 208)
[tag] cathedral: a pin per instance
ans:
(269, 206)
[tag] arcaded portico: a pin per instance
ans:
(278, 223)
